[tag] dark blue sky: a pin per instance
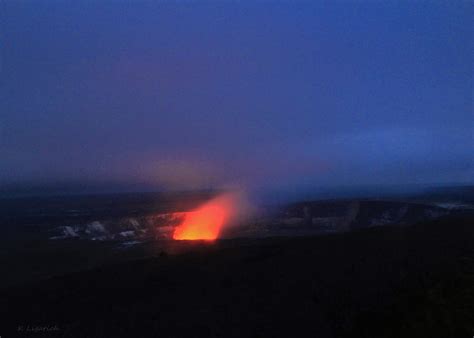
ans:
(190, 94)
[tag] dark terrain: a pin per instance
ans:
(104, 265)
(412, 281)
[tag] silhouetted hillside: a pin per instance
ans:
(380, 282)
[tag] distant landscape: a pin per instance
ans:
(334, 267)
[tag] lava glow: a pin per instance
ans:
(206, 222)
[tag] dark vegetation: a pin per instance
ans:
(415, 281)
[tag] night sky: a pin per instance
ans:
(190, 94)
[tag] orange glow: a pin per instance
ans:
(205, 222)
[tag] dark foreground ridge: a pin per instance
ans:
(386, 282)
